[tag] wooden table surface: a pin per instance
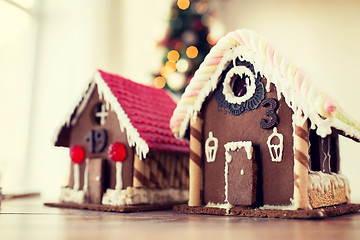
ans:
(29, 219)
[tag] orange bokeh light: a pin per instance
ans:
(183, 4)
(192, 52)
(201, 7)
(211, 39)
(170, 66)
(159, 82)
(173, 55)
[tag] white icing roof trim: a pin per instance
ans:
(302, 104)
(77, 102)
(133, 136)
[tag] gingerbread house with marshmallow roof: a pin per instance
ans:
(262, 137)
(124, 155)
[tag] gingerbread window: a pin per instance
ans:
(241, 88)
(100, 113)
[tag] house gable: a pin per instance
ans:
(223, 113)
(275, 179)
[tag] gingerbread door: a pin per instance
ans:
(95, 180)
(240, 173)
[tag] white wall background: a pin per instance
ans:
(77, 38)
(71, 38)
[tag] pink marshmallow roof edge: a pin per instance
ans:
(305, 99)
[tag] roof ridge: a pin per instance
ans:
(304, 98)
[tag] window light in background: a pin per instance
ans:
(17, 55)
(14, 19)
(26, 4)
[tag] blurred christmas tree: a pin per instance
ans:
(187, 42)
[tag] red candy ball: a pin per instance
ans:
(117, 152)
(77, 154)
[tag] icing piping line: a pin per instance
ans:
(82, 105)
(67, 121)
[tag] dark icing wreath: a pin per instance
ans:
(252, 103)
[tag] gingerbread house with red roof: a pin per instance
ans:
(122, 149)
(263, 139)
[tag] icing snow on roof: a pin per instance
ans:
(305, 99)
(143, 111)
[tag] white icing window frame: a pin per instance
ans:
(227, 89)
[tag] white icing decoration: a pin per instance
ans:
(210, 151)
(226, 206)
(233, 146)
(81, 104)
(250, 84)
(276, 150)
(76, 177)
(134, 196)
(102, 114)
(242, 172)
(327, 155)
(279, 207)
(86, 175)
(291, 206)
(322, 182)
(119, 182)
(71, 195)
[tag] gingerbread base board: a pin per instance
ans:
(108, 208)
(318, 213)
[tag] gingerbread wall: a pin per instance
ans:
(275, 179)
(79, 133)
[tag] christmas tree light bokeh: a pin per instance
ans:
(185, 44)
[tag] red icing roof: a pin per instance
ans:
(149, 110)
